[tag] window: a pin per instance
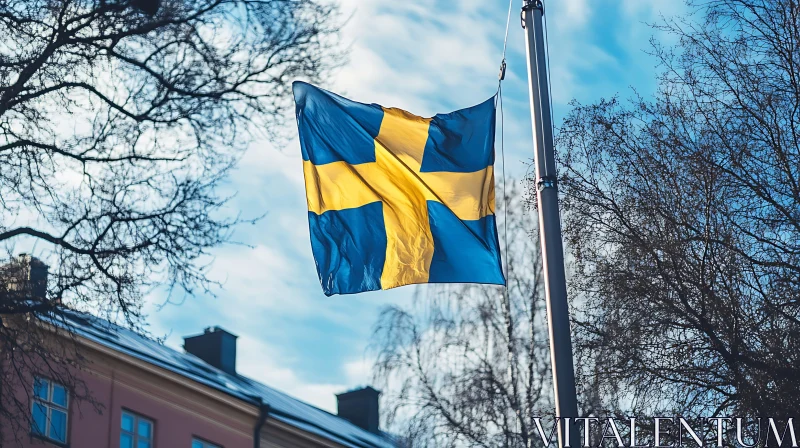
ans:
(136, 431)
(49, 411)
(197, 443)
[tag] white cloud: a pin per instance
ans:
(270, 368)
(359, 371)
(268, 365)
(576, 13)
(264, 160)
(411, 55)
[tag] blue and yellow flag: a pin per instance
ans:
(395, 199)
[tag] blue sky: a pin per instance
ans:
(427, 57)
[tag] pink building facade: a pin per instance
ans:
(151, 396)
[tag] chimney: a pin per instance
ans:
(28, 274)
(360, 407)
(215, 346)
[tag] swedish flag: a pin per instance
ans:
(395, 199)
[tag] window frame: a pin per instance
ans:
(135, 433)
(204, 443)
(50, 406)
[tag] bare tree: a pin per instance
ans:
(683, 219)
(117, 128)
(468, 365)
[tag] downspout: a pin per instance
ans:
(263, 412)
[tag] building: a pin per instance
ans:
(152, 396)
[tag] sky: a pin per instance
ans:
(427, 57)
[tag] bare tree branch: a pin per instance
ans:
(117, 130)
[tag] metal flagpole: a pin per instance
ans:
(550, 226)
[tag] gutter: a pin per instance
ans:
(263, 413)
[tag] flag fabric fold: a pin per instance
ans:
(396, 199)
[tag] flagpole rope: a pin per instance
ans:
(508, 21)
(505, 197)
(502, 140)
(549, 82)
(506, 298)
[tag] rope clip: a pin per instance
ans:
(546, 182)
(502, 75)
(530, 5)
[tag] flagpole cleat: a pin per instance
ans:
(546, 182)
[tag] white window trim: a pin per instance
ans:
(49, 405)
(135, 433)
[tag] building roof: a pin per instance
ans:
(282, 407)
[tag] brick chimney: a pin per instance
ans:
(360, 407)
(215, 346)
